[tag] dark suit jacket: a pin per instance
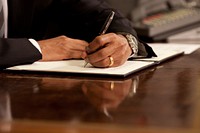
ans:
(42, 19)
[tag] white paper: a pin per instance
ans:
(165, 47)
(76, 66)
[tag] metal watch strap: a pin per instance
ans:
(132, 42)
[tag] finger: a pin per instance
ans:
(104, 63)
(76, 44)
(99, 42)
(117, 48)
(101, 47)
(81, 43)
(100, 55)
(74, 54)
(119, 57)
(84, 55)
(104, 52)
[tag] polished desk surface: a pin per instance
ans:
(161, 99)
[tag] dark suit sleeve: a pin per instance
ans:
(86, 17)
(16, 52)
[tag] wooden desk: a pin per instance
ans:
(162, 99)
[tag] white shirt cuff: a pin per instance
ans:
(35, 44)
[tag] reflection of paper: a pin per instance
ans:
(76, 66)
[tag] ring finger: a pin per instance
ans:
(107, 62)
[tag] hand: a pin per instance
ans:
(105, 46)
(61, 48)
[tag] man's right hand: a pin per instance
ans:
(62, 47)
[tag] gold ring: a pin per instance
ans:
(111, 61)
(112, 85)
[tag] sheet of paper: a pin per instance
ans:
(164, 47)
(76, 66)
(166, 51)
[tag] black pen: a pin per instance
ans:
(105, 26)
(107, 23)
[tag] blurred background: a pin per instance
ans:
(163, 20)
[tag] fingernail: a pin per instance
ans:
(83, 55)
(87, 49)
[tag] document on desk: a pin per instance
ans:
(76, 67)
(186, 48)
(164, 52)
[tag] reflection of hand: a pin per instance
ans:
(60, 84)
(102, 96)
(107, 45)
(62, 47)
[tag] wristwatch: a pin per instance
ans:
(132, 41)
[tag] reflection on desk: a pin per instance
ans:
(162, 99)
(65, 99)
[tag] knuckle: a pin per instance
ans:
(63, 38)
(99, 40)
(113, 34)
(123, 45)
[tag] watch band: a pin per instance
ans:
(132, 41)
